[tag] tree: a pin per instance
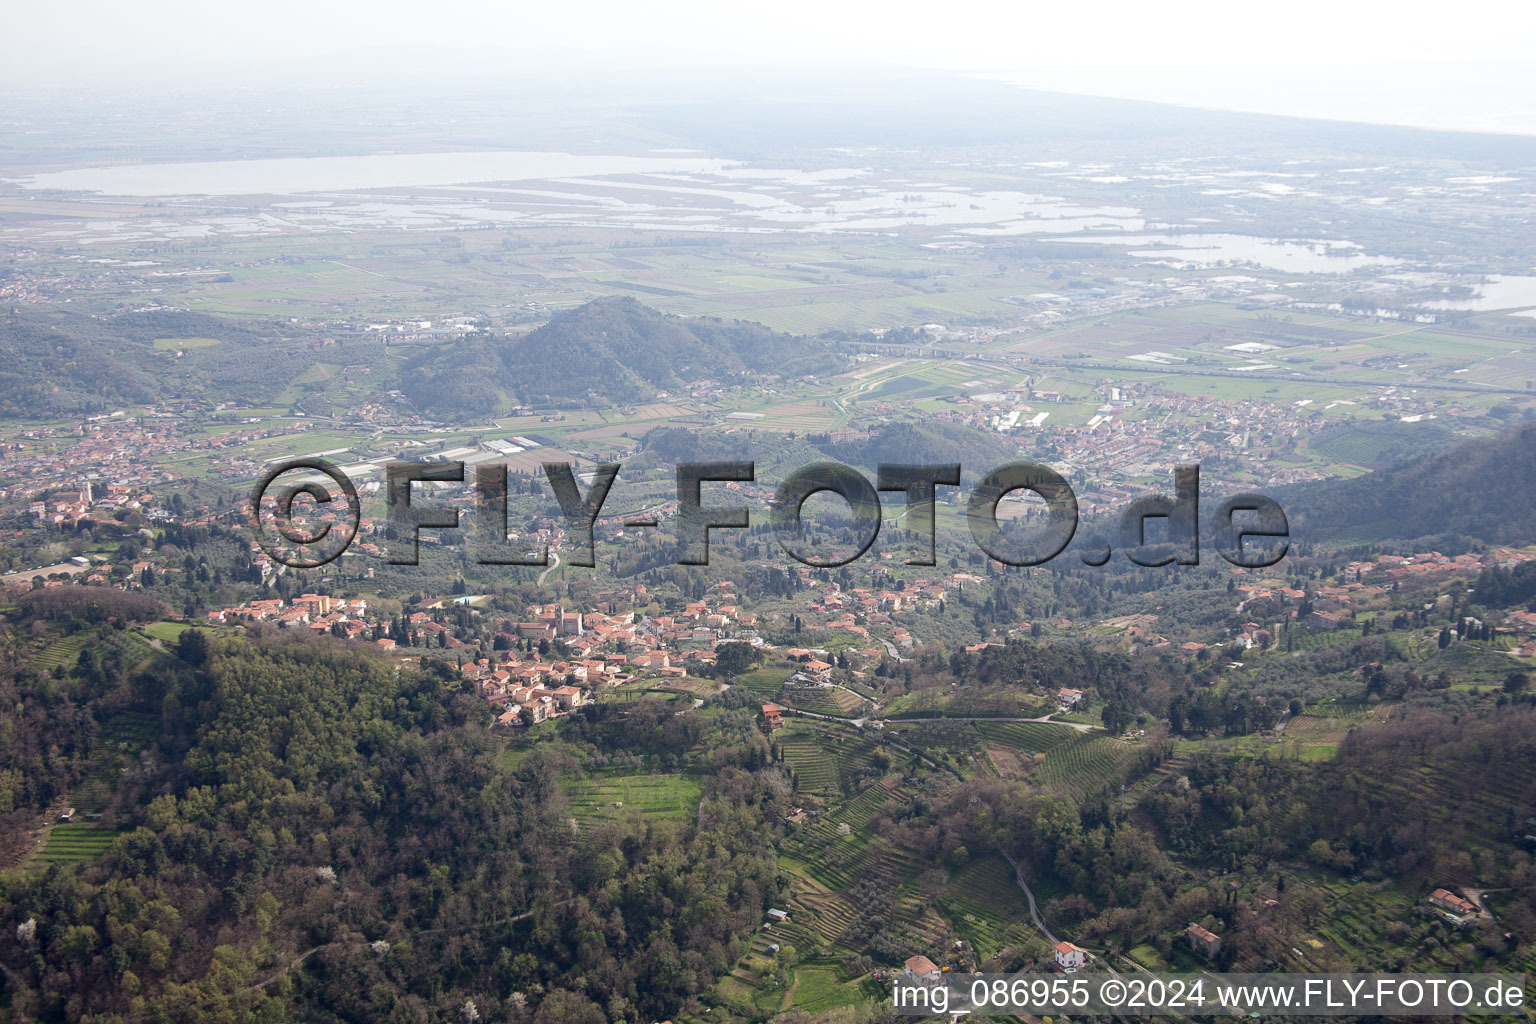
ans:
(733, 659)
(1516, 681)
(192, 647)
(1116, 716)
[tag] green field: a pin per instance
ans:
(74, 843)
(823, 700)
(186, 344)
(996, 702)
(170, 632)
(594, 800)
(766, 681)
(829, 760)
(1029, 737)
(60, 653)
(1085, 765)
(985, 905)
(133, 728)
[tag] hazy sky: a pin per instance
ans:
(1464, 65)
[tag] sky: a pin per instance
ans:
(1463, 66)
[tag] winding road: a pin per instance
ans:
(1034, 912)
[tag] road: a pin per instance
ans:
(1034, 912)
(1080, 727)
(298, 960)
(859, 724)
(890, 649)
(25, 576)
(554, 563)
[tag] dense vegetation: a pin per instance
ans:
(1473, 492)
(65, 363)
(303, 804)
(609, 350)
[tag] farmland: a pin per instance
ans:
(766, 681)
(613, 797)
(829, 761)
(824, 700)
(74, 843)
(1085, 765)
(985, 905)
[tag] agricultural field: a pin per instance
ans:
(1028, 737)
(823, 985)
(608, 797)
(766, 681)
(170, 632)
(984, 903)
(1085, 765)
(185, 344)
(122, 734)
(823, 700)
(829, 761)
(61, 653)
(997, 702)
(74, 843)
(1015, 748)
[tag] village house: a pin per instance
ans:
(1203, 940)
(922, 970)
(817, 669)
(1070, 957)
(568, 696)
(1447, 900)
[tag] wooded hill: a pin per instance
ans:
(1480, 491)
(608, 350)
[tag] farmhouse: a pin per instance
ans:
(1203, 940)
(922, 970)
(1068, 698)
(773, 717)
(1447, 900)
(1070, 957)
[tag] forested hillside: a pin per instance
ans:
(303, 803)
(1481, 490)
(610, 350)
(54, 363)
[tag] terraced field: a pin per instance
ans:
(815, 771)
(122, 735)
(985, 905)
(132, 728)
(1085, 765)
(830, 760)
(766, 681)
(594, 800)
(842, 829)
(823, 700)
(62, 652)
(998, 702)
(847, 878)
(1029, 737)
(74, 843)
